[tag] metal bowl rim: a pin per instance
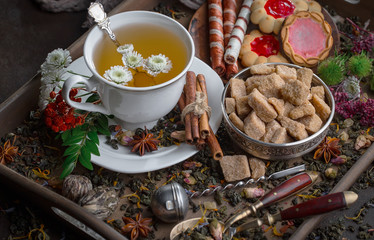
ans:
(283, 145)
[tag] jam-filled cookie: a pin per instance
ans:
(259, 48)
(306, 38)
(270, 14)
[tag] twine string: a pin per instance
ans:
(198, 107)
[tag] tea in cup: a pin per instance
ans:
(149, 95)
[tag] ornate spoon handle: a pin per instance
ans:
(275, 175)
(96, 10)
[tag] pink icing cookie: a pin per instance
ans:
(306, 38)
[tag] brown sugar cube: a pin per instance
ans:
(237, 88)
(305, 75)
(312, 123)
(260, 105)
(242, 107)
(271, 86)
(319, 91)
(278, 105)
(287, 108)
(270, 129)
(253, 81)
(305, 109)
(295, 92)
(286, 72)
(322, 109)
(235, 167)
(254, 127)
(258, 167)
(230, 105)
(280, 136)
(295, 129)
(236, 121)
(262, 69)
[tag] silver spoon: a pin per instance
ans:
(96, 11)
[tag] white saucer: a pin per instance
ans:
(124, 161)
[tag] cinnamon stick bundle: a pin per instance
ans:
(188, 96)
(216, 36)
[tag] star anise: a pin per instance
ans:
(144, 141)
(7, 152)
(139, 226)
(328, 147)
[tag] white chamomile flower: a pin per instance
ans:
(351, 86)
(57, 59)
(118, 74)
(53, 77)
(124, 49)
(132, 60)
(156, 64)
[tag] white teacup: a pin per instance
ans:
(133, 107)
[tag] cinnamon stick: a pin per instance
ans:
(187, 119)
(214, 146)
(190, 98)
(204, 118)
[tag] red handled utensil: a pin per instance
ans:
(312, 207)
(282, 191)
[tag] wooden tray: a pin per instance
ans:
(199, 30)
(16, 108)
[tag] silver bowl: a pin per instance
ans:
(272, 151)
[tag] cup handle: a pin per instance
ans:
(90, 84)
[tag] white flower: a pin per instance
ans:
(44, 97)
(57, 59)
(118, 74)
(124, 49)
(156, 64)
(53, 77)
(132, 60)
(351, 86)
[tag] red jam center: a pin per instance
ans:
(265, 46)
(307, 37)
(279, 8)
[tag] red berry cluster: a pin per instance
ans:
(58, 115)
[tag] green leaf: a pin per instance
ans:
(67, 170)
(65, 135)
(74, 148)
(74, 139)
(104, 131)
(77, 130)
(93, 136)
(69, 159)
(93, 98)
(85, 158)
(103, 121)
(92, 147)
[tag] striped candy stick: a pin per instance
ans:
(237, 35)
(229, 19)
(216, 36)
